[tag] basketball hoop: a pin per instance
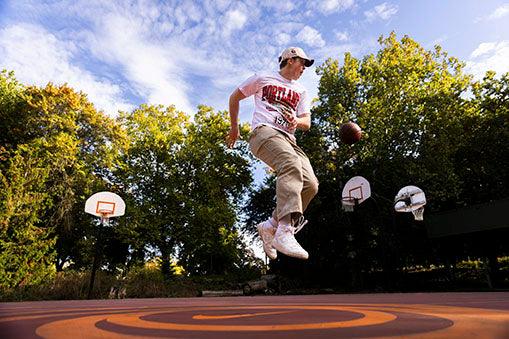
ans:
(355, 192)
(418, 214)
(105, 214)
(411, 199)
(105, 205)
(349, 203)
(105, 209)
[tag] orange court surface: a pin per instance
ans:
(391, 315)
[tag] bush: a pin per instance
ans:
(142, 282)
(149, 282)
(66, 285)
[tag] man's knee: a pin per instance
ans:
(312, 186)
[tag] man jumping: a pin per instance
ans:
(282, 105)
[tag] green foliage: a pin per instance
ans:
(412, 107)
(56, 149)
(184, 186)
(409, 103)
(482, 160)
(219, 178)
(140, 282)
(26, 251)
(180, 182)
(11, 125)
(150, 282)
(424, 123)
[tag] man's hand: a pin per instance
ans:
(302, 123)
(233, 135)
(292, 121)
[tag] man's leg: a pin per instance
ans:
(275, 149)
(310, 182)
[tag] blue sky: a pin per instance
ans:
(124, 53)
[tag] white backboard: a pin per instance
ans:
(356, 190)
(105, 204)
(409, 198)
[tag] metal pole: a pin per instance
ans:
(97, 257)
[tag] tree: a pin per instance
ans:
(482, 160)
(152, 176)
(55, 136)
(219, 178)
(410, 104)
(185, 186)
(26, 251)
(414, 108)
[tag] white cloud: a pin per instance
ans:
(438, 41)
(489, 56)
(194, 13)
(332, 6)
(233, 20)
(38, 57)
(383, 11)
(311, 37)
(499, 12)
(279, 6)
(283, 38)
(221, 4)
(484, 48)
(150, 67)
(342, 36)
(185, 53)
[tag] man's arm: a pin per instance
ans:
(304, 122)
(234, 133)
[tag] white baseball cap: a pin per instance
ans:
(292, 52)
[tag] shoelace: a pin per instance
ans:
(299, 224)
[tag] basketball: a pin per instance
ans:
(350, 133)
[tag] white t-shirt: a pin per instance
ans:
(275, 97)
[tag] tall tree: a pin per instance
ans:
(27, 250)
(482, 160)
(410, 104)
(184, 185)
(414, 107)
(55, 135)
(220, 177)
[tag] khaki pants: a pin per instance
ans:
(296, 182)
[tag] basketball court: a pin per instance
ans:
(413, 315)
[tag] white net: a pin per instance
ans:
(348, 204)
(105, 215)
(418, 214)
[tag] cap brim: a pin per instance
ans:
(309, 62)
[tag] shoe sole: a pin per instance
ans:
(285, 252)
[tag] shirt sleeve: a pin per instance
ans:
(304, 106)
(250, 86)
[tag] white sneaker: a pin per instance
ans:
(285, 242)
(266, 232)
